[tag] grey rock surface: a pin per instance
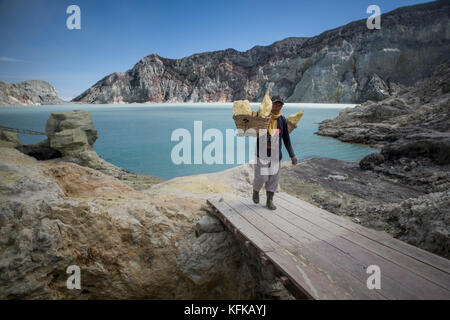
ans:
(30, 92)
(423, 221)
(371, 160)
(420, 113)
(208, 224)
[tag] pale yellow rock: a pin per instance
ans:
(295, 118)
(266, 107)
(254, 113)
(242, 107)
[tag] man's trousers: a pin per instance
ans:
(266, 172)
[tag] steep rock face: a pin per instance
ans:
(30, 92)
(348, 64)
(419, 113)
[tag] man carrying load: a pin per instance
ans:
(267, 169)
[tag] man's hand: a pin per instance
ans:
(294, 160)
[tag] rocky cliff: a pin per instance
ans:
(30, 92)
(347, 64)
(420, 113)
(412, 129)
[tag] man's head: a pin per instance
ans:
(277, 104)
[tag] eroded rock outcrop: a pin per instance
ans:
(30, 92)
(418, 113)
(127, 243)
(412, 129)
(347, 64)
(71, 137)
(9, 139)
(423, 221)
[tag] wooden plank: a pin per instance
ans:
(298, 269)
(296, 239)
(380, 251)
(352, 287)
(414, 252)
(255, 237)
(346, 263)
(420, 287)
(360, 235)
(259, 241)
(301, 274)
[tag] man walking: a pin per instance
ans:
(267, 164)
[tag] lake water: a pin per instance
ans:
(138, 137)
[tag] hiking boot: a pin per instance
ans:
(255, 196)
(269, 202)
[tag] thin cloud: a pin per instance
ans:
(9, 59)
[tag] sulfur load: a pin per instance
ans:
(242, 107)
(295, 118)
(266, 107)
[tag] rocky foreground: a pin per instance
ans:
(133, 237)
(348, 64)
(29, 93)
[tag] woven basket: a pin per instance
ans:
(291, 126)
(245, 122)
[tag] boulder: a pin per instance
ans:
(9, 139)
(208, 224)
(423, 221)
(71, 132)
(371, 160)
(434, 146)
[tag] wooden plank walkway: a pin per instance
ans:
(320, 255)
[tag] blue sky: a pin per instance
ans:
(115, 34)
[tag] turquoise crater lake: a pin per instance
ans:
(137, 137)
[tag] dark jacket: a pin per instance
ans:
(284, 135)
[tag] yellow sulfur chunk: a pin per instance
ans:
(266, 107)
(242, 107)
(295, 118)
